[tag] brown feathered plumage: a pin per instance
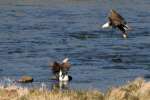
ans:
(117, 21)
(64, 66)
(115, 18)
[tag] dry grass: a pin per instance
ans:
(136, 90)
(15, 93)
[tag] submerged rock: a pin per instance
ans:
(25, 79)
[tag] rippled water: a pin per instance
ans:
(34, 33)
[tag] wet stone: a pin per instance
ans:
(25, 79)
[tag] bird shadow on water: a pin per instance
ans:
(84, 35)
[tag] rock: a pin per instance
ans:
(25, 79)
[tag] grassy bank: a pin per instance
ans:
(135, 90)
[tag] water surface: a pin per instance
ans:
(34, 33)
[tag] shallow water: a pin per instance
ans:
(34, 33)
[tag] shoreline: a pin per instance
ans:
(137, 89)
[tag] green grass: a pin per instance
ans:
(135, 90)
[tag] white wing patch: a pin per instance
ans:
(65, 60)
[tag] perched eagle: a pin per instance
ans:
(60, 70)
